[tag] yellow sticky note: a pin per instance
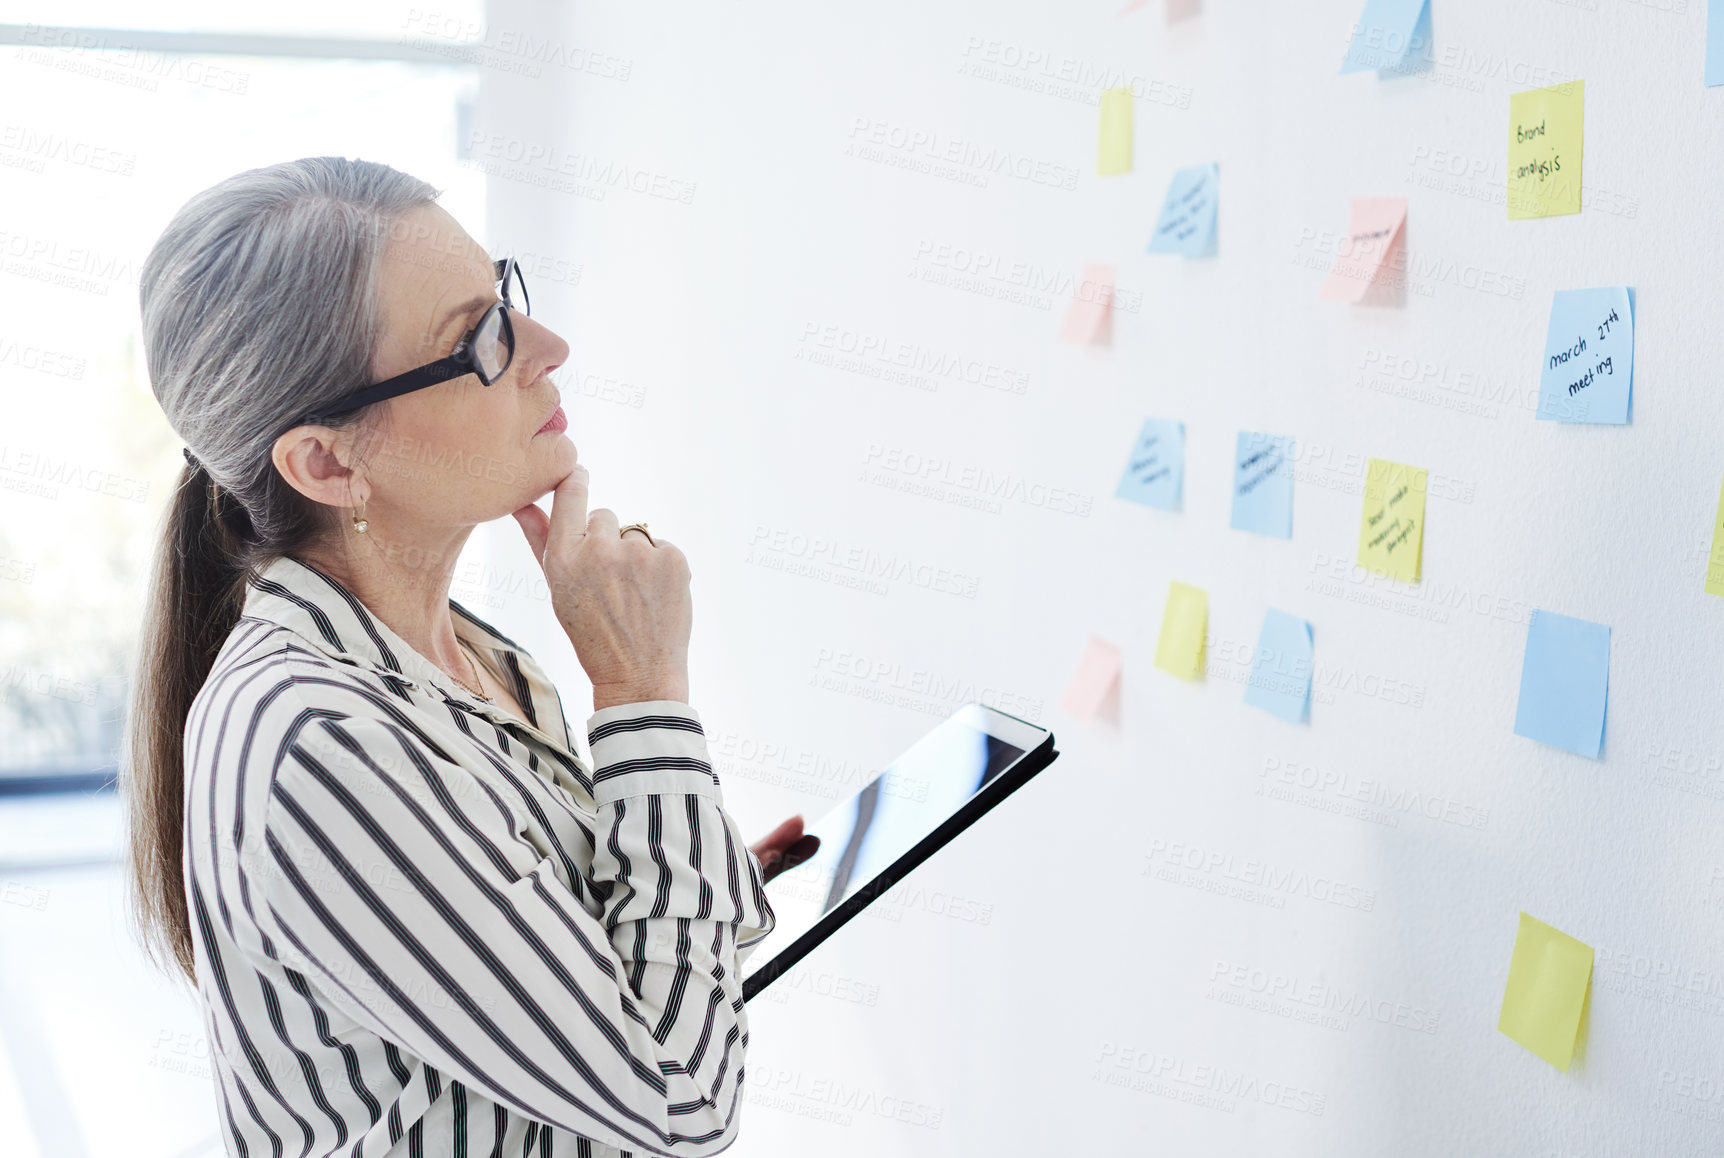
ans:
(1549, 979)
(1115, 131)
(1392, 526)
(1183, 626)
(1715, 565)
(1544, 151)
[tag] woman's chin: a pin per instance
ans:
(563, 451)
(550, 465)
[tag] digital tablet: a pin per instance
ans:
(968, 763)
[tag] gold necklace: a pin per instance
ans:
(481, 695)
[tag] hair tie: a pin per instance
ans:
(191, 460)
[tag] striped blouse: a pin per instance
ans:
(424, 927)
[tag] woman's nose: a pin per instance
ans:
(542, 348)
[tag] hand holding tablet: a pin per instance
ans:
(784, 847)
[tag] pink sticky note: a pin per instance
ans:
(1097, 675)
(1090, 317)
(1374, 236)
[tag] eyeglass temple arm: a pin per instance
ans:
(442, 370)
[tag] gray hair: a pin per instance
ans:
(259, 306)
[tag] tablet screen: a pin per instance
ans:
(889, 816)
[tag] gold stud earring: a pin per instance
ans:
(359, 521)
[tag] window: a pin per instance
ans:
(98, 147)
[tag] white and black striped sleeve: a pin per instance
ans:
(407, 890)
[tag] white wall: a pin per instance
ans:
(984, 1028)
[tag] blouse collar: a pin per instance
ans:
(299, 596)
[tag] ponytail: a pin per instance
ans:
(195, 598)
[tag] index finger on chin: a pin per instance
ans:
(569, 506)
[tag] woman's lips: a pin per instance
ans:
(555, 424)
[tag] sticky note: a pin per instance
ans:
(1155, 472)
(1588, 366)
(1544, 150)
(1263, 484)
(1374, 243)
(1184, 623)
(1097, 676)
(1089, 319)
(1386, 30)
(1280, 681)
(1187, 222)
(1715, 564)
(1564, 682)
(1715, 42)
(1549, 978)
(1392, 526)
(1115, 131)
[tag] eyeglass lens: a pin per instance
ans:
(514, 291)
(493, 343)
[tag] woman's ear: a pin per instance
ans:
(311, 458)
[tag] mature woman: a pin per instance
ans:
(420, 923)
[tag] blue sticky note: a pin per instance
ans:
(1386, 30)
(1156, 471)
(1563, 683)
(1588, 356)
(1280, 680)
(1187, 222)
(1715, 42)
(1263, 484)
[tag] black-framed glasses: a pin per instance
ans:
(485, 350)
